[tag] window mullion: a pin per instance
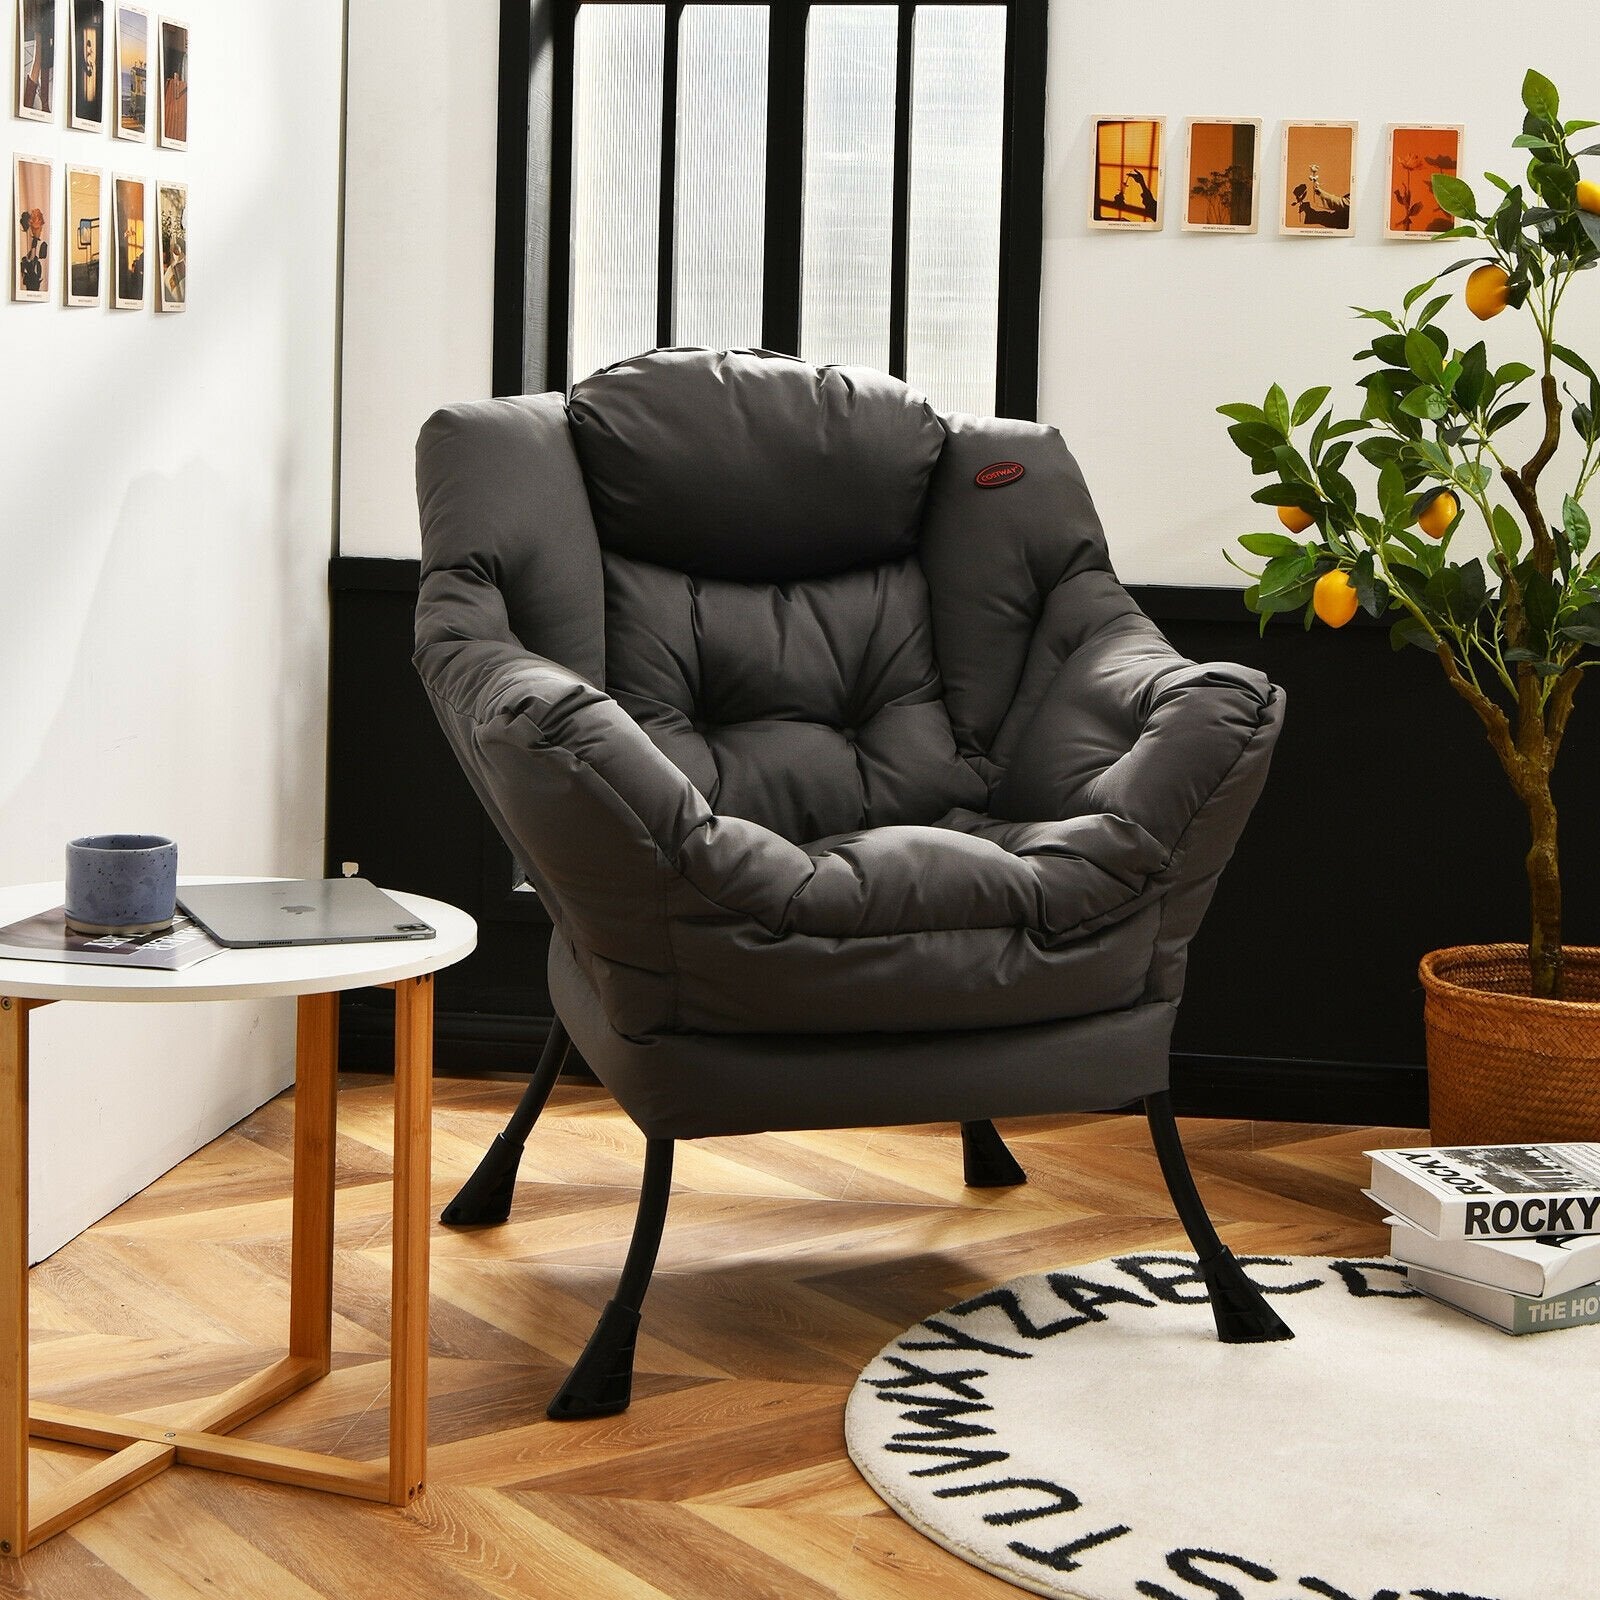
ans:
(900, 228)
(666, 238)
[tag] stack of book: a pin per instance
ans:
(1509, 1233)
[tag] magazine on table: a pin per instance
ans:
(1511, 1313)
(1492, 1191)
(1537, 1268)
(46, 937)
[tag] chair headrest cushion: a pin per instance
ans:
(751, 466)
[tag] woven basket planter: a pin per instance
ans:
(1503, 1067)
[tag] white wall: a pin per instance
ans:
(1142, 334)
(419, 246)
(163, 622)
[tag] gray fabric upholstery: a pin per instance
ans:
(803, 733)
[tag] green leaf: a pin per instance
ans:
(1415, 294)
(1507, 533)
(1454, 195)
(1474, 376)
(1539, 602)
(1288, 494)
(1539, 96)
(1340, 489)
(1577, 125)
(1512, 372)
(1530, 141)
(1505, 414)
(1291, 464)
(1240, 412)
(1433, 456)
(1576, 522)
(1380, 450)
(1425, 402)
(1277, 410)
(1269, 544)
(1473, 476)
(1374, 315)
(1572, 359)
(1409, 631)
(1306, 406)
(1471, 592)
(1390, 348)
(1392, 496)
(1255, 439)
(1432, 309)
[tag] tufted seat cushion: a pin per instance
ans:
(812, 707)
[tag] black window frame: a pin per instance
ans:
(533, 243)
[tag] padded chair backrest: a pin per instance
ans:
(793, 578)
(767, 620)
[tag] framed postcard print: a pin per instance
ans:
(1223, 173)
(1317, 197)
(127, 243)
(82, 235)
(32, 228)
(1417, 152)
(133, 72)
(172, 206)
(174, 132)
(90, 59)
(1129, 153)
(36, 60)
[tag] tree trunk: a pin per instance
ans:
(1544, 889)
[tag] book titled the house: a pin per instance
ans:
(1495, 1191)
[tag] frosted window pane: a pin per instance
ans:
(616, 182)
(849, 185)
(721, 176)
(953, 255)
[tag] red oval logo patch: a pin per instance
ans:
(999, 473)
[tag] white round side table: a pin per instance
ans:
(139, 1450)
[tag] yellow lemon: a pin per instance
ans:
(1294, 519)
(1589, 196)
(1486, 291)
(1334, 599)
(1438, 514)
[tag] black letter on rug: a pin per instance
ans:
(1060, 1559)
(1065, 1499)
(1182, 1562)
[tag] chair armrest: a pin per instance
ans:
(615, 837)
(1129, 728)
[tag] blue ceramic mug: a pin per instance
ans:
(121, 883)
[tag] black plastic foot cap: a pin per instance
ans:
(601, 1381)
(987, 1162)
(485, 1198)
(1241, 1310)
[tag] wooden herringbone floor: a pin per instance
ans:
(789, 1260)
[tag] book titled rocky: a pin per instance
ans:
(1537, 1268)
(1512, 1313)
(1492, 1191)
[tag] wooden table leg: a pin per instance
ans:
(408, 1317)
(316, 1092)
(13, 1276)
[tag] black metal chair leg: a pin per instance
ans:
(601, 1381)
(485, 1198)
(1241, 1310)
(988, 1163)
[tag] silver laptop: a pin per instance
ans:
(299, 911)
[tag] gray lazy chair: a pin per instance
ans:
(858, 789)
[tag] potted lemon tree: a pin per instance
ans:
(1463, 542)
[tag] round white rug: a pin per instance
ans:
(1082, 1433)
